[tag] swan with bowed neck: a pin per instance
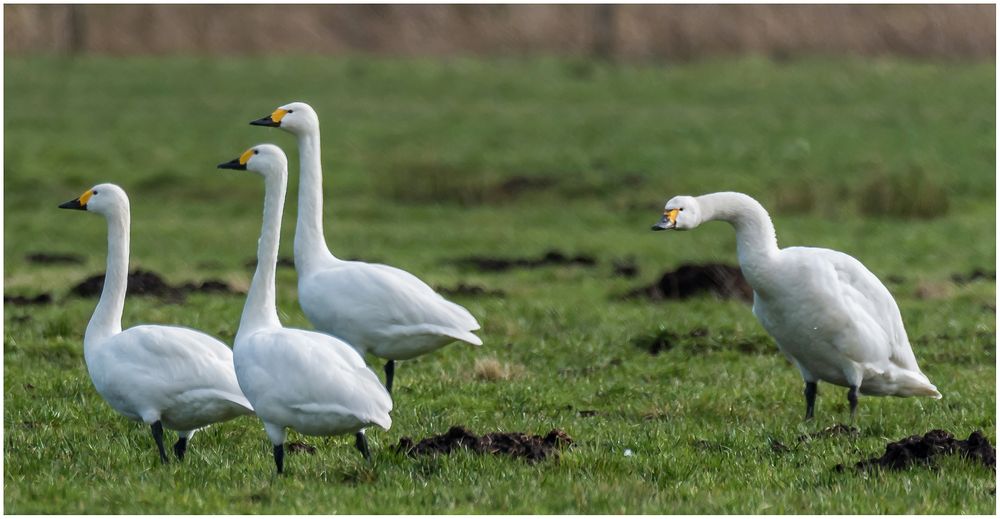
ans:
(311, 382)
(375, 308)
(828, 313)
(165, 376)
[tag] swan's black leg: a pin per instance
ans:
(279, 457)
(180, 448)
(362, 445)
(811, 392)
(157, 429)
(852, 398)
(390, 370)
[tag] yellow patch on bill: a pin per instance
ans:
(672, 215)
(278, 114)
(84, 198)
(246, 157)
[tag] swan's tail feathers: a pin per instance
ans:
(468, 337)
(916, 384)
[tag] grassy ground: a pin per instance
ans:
(890, 161)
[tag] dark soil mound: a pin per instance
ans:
(532, 448)
(49, 258)
(552, 257)
(725, 281)
(41, 299)
(922, 449)
(144, 282)
(296, 447)
(626, 268)
(975, 275)
(665, 340)
(469, 290)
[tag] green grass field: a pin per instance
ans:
(890, 161)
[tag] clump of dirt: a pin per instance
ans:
(975, 275)
(689, 280)
(463, 289)
(51, 258)
(552, 257)
(532, 448)
(517, 185)
(778, 448)
(923, 449)
(144, 282)
(39, 299)
(297, 447)
(830, 432)
(665, 340)
(626, 267)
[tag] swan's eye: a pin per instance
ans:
(95, 192)
(681, 209)
(291, 111)
(255, 152)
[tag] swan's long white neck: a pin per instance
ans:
(107, 318)
(260, 310)
(310, 244)
(756, 243)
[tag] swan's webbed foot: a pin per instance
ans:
(180, 448)
(361, 443)
(811, 392)
(157, 430)
(390, 370)
(279, 457)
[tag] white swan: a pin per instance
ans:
(828, 313)
(165, 376)
(375, 308)
(309, 381)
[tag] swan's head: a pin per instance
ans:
(294, 117)
(681, 213)
(104, 199)
(266, 159)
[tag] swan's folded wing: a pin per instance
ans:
(874, 313)
(173, 361)
(392, 296)
(312, 372)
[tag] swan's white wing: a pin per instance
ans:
(164, 367)
(874, 329)
(381, 297)
(286, 371)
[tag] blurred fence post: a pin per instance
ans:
(77, 29)
(604, 31)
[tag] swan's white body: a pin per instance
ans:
(828, 313)
(311, 382)
(177, 376)
(375, 308)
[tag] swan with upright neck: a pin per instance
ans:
(164, 376)
(828, 313)
(311, 382)
(375, 308)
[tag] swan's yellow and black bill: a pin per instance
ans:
(79, 202)
(667, 221)
(273, 120)
(239, 162)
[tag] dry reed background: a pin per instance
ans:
(676, 32)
